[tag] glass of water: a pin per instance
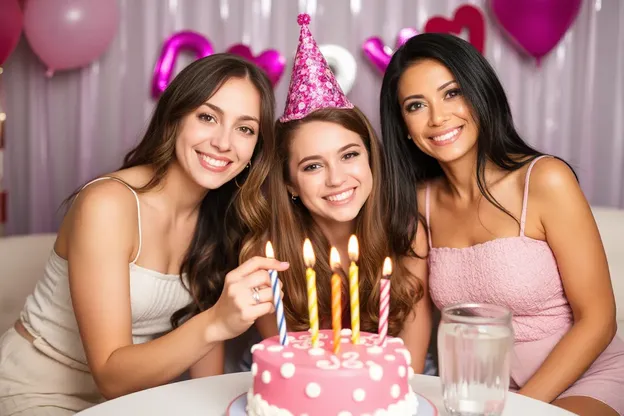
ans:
(474, 346)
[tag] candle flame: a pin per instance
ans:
(308, 253)
(334, 258)
(387, 267)
(269, 250)
(353, 248)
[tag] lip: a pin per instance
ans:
(207, 166)
(344, 201)
(447, 141)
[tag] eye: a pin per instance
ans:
(206, 117)
(247, 130)
(312, 167)
(350, 155)
(453, 93)
(414, 106)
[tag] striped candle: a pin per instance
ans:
(308, 257)
(384, 301)
(336, 304)
(354, 289)
(277, 299)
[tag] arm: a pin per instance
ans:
(100, 246)
(417, 329)
(212, 364)
(573, 236)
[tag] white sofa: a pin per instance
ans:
(22, 261)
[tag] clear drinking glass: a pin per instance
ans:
(474, 346)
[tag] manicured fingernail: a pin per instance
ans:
(284, 264)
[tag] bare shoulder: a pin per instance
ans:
(552, 178)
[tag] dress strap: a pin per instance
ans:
(525, 198)
(427, 192)
(136, 197)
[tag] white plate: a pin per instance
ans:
(237, 407)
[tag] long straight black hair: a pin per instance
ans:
(497, 142)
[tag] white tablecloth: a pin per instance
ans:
(211, 396)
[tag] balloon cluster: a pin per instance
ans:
(64, 34)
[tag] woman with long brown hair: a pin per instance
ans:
(143, 282)
(327, 186)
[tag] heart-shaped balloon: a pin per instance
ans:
(379, 54)
(185, 40)
(536, 26)
(271, 61)
(468, 17)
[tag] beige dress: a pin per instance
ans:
(51, 375)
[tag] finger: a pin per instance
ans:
(265, 295)
(258, 279)
(260, 263)
(261, 309)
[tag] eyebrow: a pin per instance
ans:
(221, 112)
(313, 157)
(440, 88)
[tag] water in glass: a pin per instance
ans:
(474, 345)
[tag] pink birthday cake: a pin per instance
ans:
(299, 380)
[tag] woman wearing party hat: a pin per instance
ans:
(327, 187)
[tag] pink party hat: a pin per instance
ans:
(312, 84)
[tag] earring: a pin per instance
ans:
(248, 166)
(293, 197)
(409, 137)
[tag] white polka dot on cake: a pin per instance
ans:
(389, 357)
(316, 351)
(402, 371)
(395, 391)
(374, 350)
(344, 340)
(406, 354)
(313, 390)
(254, 369)
(287, 370)
(344, 413)
(275, 348)
(288, 354)
(256, 347)
(395, 341)
(410, 372)
(345, 332)
(375, 372)
(266, 377)
(359, 395)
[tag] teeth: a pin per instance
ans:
(446, 136)
(340, 197)
(214, 162)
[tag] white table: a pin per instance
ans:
(211, 396)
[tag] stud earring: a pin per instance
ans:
(409, 137)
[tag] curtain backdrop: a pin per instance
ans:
(64, 130)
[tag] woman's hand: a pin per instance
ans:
(239, 306)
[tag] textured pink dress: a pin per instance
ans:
(521, 273)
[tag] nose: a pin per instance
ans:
(335, 176)
(221, 139)
(438, 114)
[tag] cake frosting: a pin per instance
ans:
(361, 380)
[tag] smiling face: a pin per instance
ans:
(437, 116)
(329, 171)
(217, 140)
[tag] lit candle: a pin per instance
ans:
(336, 305)
(277, 299)
(384, 301)
(354, 289)
(309, 260)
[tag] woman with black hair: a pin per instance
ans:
(456, 165)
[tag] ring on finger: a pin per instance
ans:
(255, 294)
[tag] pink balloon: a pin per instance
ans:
(271, 61)
(536, 26)
(68, 34)
(186, 40)
(379, 54)
(11, 22)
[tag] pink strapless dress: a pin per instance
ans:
(521, 273)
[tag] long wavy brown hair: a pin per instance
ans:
(291, 223)
(237, 210)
